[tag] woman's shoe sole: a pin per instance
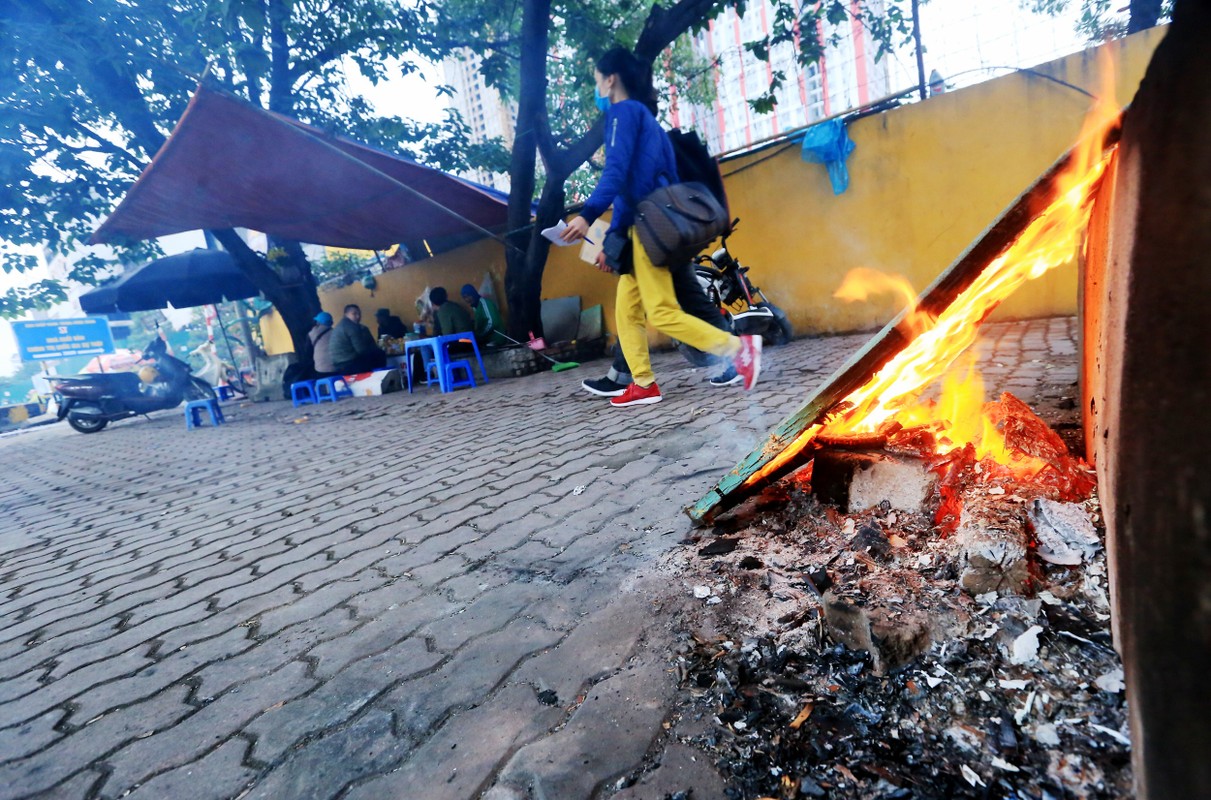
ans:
(646, 401)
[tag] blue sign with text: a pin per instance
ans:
(61, 338)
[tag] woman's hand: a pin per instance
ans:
(601, 262)
(575, 231)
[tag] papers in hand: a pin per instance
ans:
(552, 234)
(590, 246)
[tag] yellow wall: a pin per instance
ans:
(399, 289)
(925, 181)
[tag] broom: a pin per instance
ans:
(556, 366)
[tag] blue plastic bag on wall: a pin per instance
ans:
(828, 143)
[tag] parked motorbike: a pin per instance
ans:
(727, 283)
(746, 307)
(90, 402)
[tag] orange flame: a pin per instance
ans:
(859, 284)
(1050, 240)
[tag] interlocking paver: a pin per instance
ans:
(611, 730)
(76, 752)
(195, 735)
(478, 737)
(384, 616)
(217, 775)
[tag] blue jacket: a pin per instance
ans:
(639, 158)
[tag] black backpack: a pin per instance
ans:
(695, 164)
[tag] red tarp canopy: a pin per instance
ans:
(229, 164)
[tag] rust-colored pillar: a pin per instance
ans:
(1147, 372)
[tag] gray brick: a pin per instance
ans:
(193, 736)
(379, 633)
(171, 667)
(339, 699)
(219, 774)
(326, 765)
(70, 754)
(606, 737)
(20, 740)
(600, 644)
(472, 673)
(490, 612)
(460, 758)
(354, 573)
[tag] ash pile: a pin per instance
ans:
(888, 624)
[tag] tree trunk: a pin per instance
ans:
(1144, 14)
(281, 98)
(522, 252)
(526, 255)
(296, 298)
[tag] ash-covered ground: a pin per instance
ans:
(825, 654)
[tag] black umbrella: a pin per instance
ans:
(196, 278)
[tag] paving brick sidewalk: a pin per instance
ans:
(396, 597)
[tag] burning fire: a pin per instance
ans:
(891, 400)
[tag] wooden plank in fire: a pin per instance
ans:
(734, 487)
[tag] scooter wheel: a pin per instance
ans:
(86, 424)
(780, 332)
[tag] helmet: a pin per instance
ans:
(149, 374)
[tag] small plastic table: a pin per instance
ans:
(437, 345)
(432, 344)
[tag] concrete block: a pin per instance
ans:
(993, 554)
(857, 481)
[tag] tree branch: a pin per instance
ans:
(546, 141)
(664, 25)
(107, 146)
(567, 160)
(253, 265)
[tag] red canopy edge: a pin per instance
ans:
(230, 164)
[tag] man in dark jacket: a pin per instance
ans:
(389, 324)
(353, 349)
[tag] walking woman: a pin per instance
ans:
(639, 159)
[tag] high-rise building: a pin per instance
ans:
(482, 108)
(846, 77)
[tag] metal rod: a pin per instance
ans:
(916, 35)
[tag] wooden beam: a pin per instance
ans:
(734, 487)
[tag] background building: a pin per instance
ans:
(846, 77)
(482, 108)
(964, 42)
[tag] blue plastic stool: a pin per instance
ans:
(193, 413)
(465, 366)
(334, 392)
(225, 392)
(302, 393)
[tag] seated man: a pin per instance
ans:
(489, 328)
(389, 324)
(448, 316)
(320, 337)
(353, 348)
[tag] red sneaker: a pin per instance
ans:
(636, 395)
(748, 360)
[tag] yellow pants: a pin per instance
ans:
(646, 295)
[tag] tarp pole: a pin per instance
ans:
(239, 377)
